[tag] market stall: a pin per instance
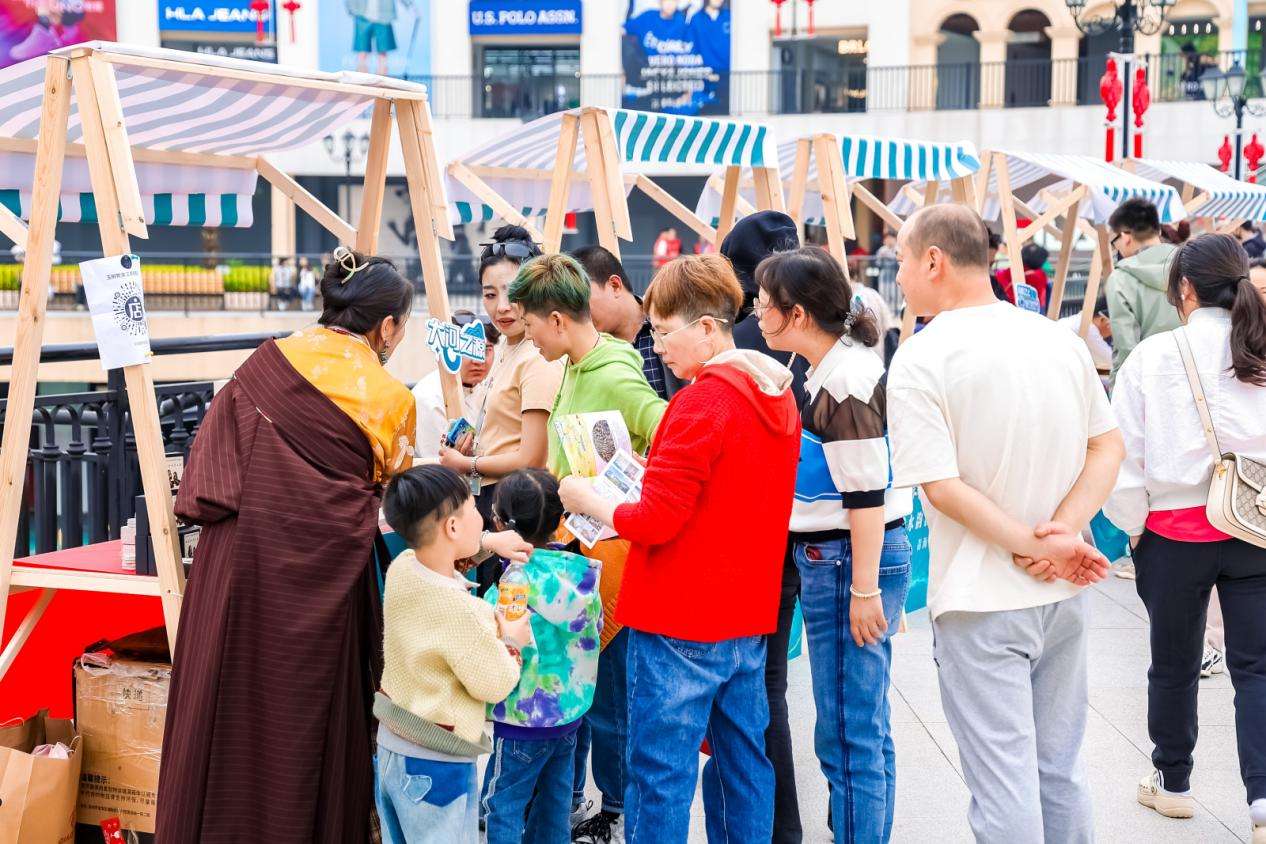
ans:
(589, 159)
(1206, 192)
(130, 137)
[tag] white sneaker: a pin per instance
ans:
(1213, 662)
(579, 813)
(1125, 571)
(602, 828)
(1170, 804)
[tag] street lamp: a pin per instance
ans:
(349, 148)
(1142, 16)
(1226, 92)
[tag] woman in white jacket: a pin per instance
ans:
(1160, 499)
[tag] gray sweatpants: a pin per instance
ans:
(1013, 685)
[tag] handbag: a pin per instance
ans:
(1237, 491)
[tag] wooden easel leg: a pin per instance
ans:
(1068, 234)
(49, 155)
(799, 180)
(1097, 272)
(560, 184)
(768, 189)
(596, 163)
(1006, 202)
(375, 179)
(729, 201)
(835, 198)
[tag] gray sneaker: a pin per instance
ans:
(602, 828)
(1213, 662)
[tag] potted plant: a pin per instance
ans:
(246, 288)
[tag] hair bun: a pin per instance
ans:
(510, 232)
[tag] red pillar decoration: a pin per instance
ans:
(778, 17)
(291, 6)
(1110, 90)
(810, 2)
(1142, 98)
(1224, 154)
(1252, 157)
(261, 9)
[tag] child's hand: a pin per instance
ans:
(509, 545)
(517, 633)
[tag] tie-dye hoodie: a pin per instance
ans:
(556, 684)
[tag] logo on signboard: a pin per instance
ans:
(129, 309)
(450, 344)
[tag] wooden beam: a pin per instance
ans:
(560, 182)
(441, 224)
(141, 154)
(342, 230)
(742, 207)
(1006, 202)
(411, 141)
(1192, 203)
(1102, 250)
(24, 629)
(12, 227)
(599, 184)
(114, 132)
(26, 578)
(33, 300)
(499, 205)
(876, 205)
(930, 193)
(913, 195)
(768, 188)
(799, 180)
(982, 180)
(619, 202)
(488, 171)
(375, 186)
(1068, 237)
(835, 198)
(1053, 210)
(729, 198)
(964, 191)
(670, 204)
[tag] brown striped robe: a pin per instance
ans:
(268, 734)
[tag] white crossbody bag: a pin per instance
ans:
(1237, 491)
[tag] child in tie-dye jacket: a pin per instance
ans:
(527, 787)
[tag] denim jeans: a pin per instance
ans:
(680, 693)
(853, 738)
(527, 791)
(420, 800)
(605, 728)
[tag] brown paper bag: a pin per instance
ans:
(38, 794)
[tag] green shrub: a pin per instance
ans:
(246, 279)
(10, 276)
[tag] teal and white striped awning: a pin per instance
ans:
(1228, 198)
(646, 143)
(163, 209)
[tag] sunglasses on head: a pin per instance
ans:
(511, 249)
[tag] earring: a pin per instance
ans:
(382, 356)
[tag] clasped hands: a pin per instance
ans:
(1057, 552)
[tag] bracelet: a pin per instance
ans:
(483, 540)
(474, 465)
(857, 594)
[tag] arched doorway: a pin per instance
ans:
(1028, 74)
(958, 64)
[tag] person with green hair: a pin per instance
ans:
(601, 373)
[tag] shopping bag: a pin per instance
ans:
(38, 794)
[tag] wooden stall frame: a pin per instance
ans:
(110, 158)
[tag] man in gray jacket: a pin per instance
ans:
(1137, 305)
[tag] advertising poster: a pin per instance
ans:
(31, 28)
(676, 56)
(387, 37)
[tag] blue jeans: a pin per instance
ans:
(853, 738)
(527, 790)
(681, 692)
(605, 728)
(420, 800)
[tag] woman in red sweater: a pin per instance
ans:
(701, 587)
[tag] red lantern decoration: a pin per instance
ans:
(1142, 98)
(261, 8)
(778, 17)
(1224, 154)
(1252, 157)
(810, 2)
(291, 6)
(1110, 90)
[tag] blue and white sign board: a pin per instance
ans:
(208, 16)
(1026, 298)
(525, 17)
(117, 304)
(450, 344)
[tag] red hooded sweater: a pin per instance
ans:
(710, 531)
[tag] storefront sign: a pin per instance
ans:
(243, 50)
(525, 17)
(677, 60)
(209, 16)
(31, 28)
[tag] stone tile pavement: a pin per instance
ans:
(932, 797)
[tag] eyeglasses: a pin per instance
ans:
(661, 336)
(1113, 242)
(511, 249)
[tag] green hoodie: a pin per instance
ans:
(1136, 300)
(608, 378)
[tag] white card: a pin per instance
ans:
(117, 303)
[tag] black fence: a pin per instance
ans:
(82, 471)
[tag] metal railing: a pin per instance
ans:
(82, 471)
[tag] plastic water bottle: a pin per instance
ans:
(512, 592)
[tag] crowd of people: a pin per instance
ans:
(332, 694)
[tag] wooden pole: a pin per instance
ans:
(865, 197)
(596, 163)
(768, 189)
(33, 300)
(615, 179)
(729, 198)
(146, 423)
(375, 186)
(313, 207)
(12, 227)
(1068, 236)
(930, 192)
(1007, 203)
(1097, 261)
(114, 138)
(799, 180)
(981, 181)
(499, 205)
(422, 204)
(835, 200)
(670, 204)
(560, 183)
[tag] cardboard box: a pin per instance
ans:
(120, 708)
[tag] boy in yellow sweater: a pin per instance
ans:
(446, 655)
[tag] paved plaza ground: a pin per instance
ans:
(932, 797)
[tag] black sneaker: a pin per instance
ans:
(602, 828)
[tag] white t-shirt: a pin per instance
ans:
(1100, 351)
(432, 417)
(1005, 400)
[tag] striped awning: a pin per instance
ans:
(1228, 197)
(864, 157)
(647, 143)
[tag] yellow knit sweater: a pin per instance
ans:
(442, 659)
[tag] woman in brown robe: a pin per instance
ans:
(269, 723)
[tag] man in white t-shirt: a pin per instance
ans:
(999, 416)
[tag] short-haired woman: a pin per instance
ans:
(701, 588)
(1160, 499)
